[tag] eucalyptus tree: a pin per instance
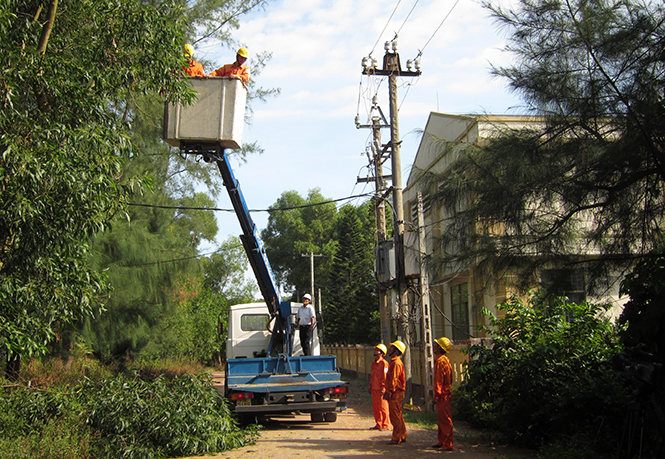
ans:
(66, 67)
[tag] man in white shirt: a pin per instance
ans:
(305, 322)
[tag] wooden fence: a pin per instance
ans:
(356, 360)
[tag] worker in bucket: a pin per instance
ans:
(395, 387)
(305, 319)
(194, 68)
(377, 387)
(443, 379)
(236, 70)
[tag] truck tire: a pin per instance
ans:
(330, 416)
(317, 417)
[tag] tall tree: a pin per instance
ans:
(63, 138)
(298, 226)
(591, 180)
(351, 312)
(151, 256)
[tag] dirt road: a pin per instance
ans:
(286, 438)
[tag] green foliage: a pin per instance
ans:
(61, 437)
(143, 419)
(121, 416)
(345, 272)
(224, 272)
(305, 227)
(587, 178)
(62, 143)
(352, 298)
(547, 375)
(644, 338)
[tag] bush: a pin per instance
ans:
(130, 416)
(547, 376)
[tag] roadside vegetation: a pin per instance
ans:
(81, 409)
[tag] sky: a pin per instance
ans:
(308, 132)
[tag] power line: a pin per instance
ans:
(407, 18)
(217, 209)
(384, 27)
(437, 29)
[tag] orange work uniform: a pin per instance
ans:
(377, 385)
(195, 68)
(443, 378)
(232, 70)
(395, 387)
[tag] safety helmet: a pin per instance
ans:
(307, 296)
(399, 345)
(242, 52)
(382, 348)
(189, 50)
(444, 342)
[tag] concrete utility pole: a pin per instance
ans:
(311, 256)
(428, 384)
(392, 68)
(377, 158)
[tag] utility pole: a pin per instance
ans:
(377, 159)
(392, 69)
(311, 256)
(428, 383)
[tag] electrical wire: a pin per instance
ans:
(437, 29)
(217, 209)
(384, 27)
(407, 17)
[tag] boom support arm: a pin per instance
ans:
(281, 333)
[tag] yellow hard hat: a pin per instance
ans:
(399, 345)
(243, 53)
(382, 348)
(445, 343)
(189, 50)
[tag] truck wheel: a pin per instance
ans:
(317, 417)
(330, 416)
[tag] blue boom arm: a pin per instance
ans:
(280, 310)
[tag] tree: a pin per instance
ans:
(63, 138)
(225, 273)
(591, 180)
(352, 309)
(644, 360)
(297, 226)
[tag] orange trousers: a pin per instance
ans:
(445, 422)
(380, 407)
(396, 418)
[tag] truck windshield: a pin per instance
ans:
(254, 322)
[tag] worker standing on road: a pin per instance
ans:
(443, 379)
(395, 387)
(195, 68)
(377, 387)
(236, 70)
(305, 319)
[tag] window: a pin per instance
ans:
(254, 322)
(565, 282)
(459, 300)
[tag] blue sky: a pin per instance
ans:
(308, 132)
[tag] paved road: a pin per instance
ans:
(350, 436)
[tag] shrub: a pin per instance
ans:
(548, 375)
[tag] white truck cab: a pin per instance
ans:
(249, 337)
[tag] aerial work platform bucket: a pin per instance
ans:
(217, 116)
